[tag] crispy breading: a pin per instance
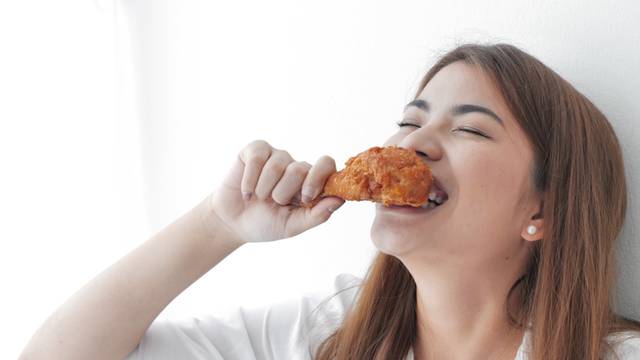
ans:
(389, 175)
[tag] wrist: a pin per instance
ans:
(216, 229)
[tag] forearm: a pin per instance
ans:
(108, 316)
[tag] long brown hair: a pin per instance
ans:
(567, 290)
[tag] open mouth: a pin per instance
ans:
(437, 196)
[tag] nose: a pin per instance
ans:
(424, 143)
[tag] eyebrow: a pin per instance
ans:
(456, 109)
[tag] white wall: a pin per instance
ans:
(101, 148)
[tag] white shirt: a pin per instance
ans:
(287, 330)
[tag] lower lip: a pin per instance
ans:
(406, 209)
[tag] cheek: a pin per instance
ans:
(474, 173)
(488, 184)
(394, 140)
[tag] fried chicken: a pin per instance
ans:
(389, 175)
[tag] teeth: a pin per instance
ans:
(428, 205)
(435, 197)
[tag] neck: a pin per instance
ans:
(461, 312)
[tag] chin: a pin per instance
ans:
(389, 240)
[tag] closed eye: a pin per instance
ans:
(472, 130)
(401, 124)
(465, 129)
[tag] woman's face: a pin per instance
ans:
(488, 179)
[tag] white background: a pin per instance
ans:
(116, 117)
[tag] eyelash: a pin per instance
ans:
(466, 129)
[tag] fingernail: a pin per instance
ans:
(334, 208)
(246, 196)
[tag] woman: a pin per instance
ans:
(518, 262)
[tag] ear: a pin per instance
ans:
(539, 230)
(534, 228)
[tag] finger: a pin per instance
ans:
(296, 199)
(271, 173)
(253, 156)
(290, 182)
(303, 219)
(318, 175)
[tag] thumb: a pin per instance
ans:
(306, 218)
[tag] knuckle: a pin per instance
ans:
(259, 143)
(310, 188)
(327, 160)
(270, 171)
(311, 181)
(262, 190)
(315, 178)
(255, 147)
(274, 170)
(278, 198)
(283, 154)
(279, 167)
(256, 158)
(312, 178)
(299, 168)
(261, 194)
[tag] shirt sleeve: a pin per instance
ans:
(629, 348)
(288, 330)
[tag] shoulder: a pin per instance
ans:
(284, 330)
(345, 289)
(626, 345)
(325, 310)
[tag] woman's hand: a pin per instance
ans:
(273, 183)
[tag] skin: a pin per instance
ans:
(465, 255)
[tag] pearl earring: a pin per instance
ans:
(531, 229)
